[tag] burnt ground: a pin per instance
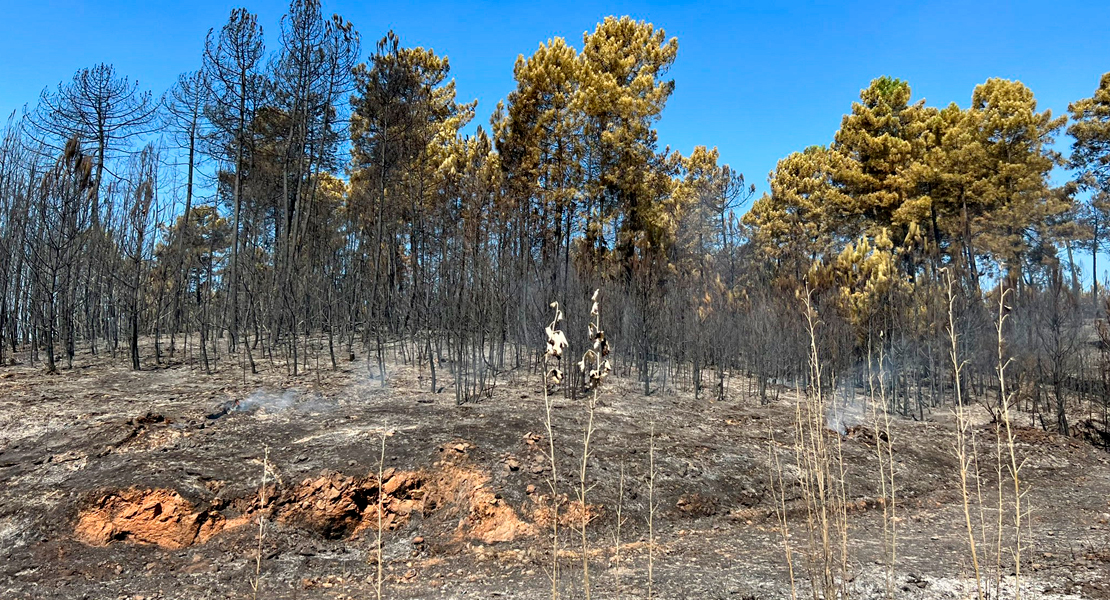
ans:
(121, 484)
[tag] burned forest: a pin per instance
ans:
(311, 324)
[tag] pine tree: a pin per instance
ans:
(621, 95)
(538, 133)
(103, 110)
(405, 119)
(1005, 158)
(1090, 157)
(804, 215)
(232, 67)
(881, 141)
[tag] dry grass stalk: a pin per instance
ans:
(380, 579)
(652, 505)
(617, 533)
(822, 476)
(1013, 465)
(256, 583)
(595, 367)
(556, 343)
(778, 491)
(962, 427)
(884, 452)
(840, 519)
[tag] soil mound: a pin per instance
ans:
(484, 515)
(159, 517)
(332, 504)
(337, 506)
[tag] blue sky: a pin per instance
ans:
(758, 80)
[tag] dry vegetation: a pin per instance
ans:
(150, 483)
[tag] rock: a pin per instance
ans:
(531, 489)
(161, 517)
(199, 565)
(418, 540)
(398, 481)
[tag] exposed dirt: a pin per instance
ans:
(117, 484)
(159, 517)
(333, 505)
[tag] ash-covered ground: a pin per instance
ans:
(150, 484)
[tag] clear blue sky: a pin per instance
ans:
(757, 80)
